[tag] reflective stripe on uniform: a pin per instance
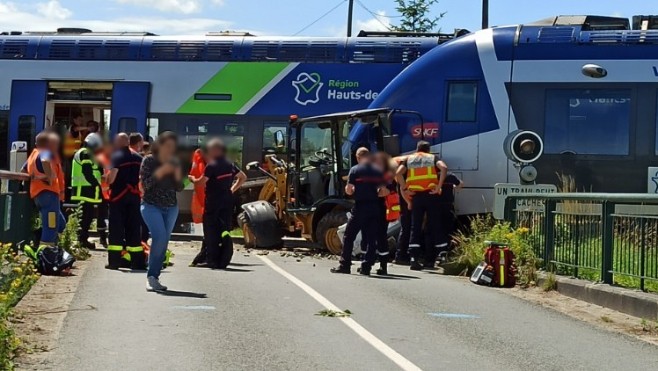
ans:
(135, 249)
(114, 248)
(226, 234)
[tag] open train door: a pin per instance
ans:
(27, 112)
(130, 102)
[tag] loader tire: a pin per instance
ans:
(326, 232)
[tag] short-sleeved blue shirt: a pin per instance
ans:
(128, 163)
(220, 174)
(366, 180)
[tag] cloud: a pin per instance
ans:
(53, 9)
(173, 6)
(22, 18)
(379, 22)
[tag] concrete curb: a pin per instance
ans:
(632, 302)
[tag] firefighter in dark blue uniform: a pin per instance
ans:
(125, 216)
(447, 215)
(222, 180)
(365, 184)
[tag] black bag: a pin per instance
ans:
(53, 261)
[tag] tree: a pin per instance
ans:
(416, 16)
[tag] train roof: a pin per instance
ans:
(81, 44)
(590, 29)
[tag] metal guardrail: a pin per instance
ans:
(16, 209)
(612, 238)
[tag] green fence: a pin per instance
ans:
(16, 209)
(611, 238)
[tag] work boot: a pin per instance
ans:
(415, 265)
(344, 269)
(111, 267)
(383, 270)
(364, 270)
(429, 264)
(153, 284)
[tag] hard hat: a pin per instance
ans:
(93, 141)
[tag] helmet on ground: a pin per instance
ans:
(93, 141)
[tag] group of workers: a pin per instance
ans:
(104, 183)
(415, 189)
(131, 193)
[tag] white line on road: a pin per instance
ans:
(389, 352)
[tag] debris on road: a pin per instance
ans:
(334, 313)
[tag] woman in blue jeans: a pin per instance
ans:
(161, 177)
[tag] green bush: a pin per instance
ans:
(17, 275)
(68, 240)
(471, 246)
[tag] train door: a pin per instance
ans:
(130, 100)
(27, 113)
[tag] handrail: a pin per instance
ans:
(4, 174)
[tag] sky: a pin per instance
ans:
(281, 17)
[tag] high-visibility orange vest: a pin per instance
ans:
(199, 196)
(104, 160)
(61, 182)
(71, 145)
(392, 207)
(421, 172)
(39, 182)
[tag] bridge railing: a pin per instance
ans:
(611, 238)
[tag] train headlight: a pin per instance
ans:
(523, 147)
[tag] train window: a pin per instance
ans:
(194, 134)
(588, 121)
(127, 125)
(462, 101)
(269, 129)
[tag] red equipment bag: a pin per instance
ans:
(500, 259)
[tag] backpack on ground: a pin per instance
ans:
(498, 268)
(501, 259)
(53, 261)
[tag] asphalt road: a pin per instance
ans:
(261, 315)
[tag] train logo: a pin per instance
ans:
(308, 86)
(427, 130)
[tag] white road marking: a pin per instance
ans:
(366, 335)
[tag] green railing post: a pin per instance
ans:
(608, 208)
(643, 249)
(510, 215)
(549, 232)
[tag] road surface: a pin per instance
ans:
(261, 315)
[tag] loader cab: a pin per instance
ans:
(323, 153)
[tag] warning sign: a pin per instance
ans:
(504, 190)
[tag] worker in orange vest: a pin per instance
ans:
(421, 178)
(57, 164)
(102, 210)
(197, 170)
(45, 189)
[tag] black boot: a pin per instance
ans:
(342, 268)
(383, 269)
(415, 265)
(365, 269)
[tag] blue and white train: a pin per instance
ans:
(588, 85)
